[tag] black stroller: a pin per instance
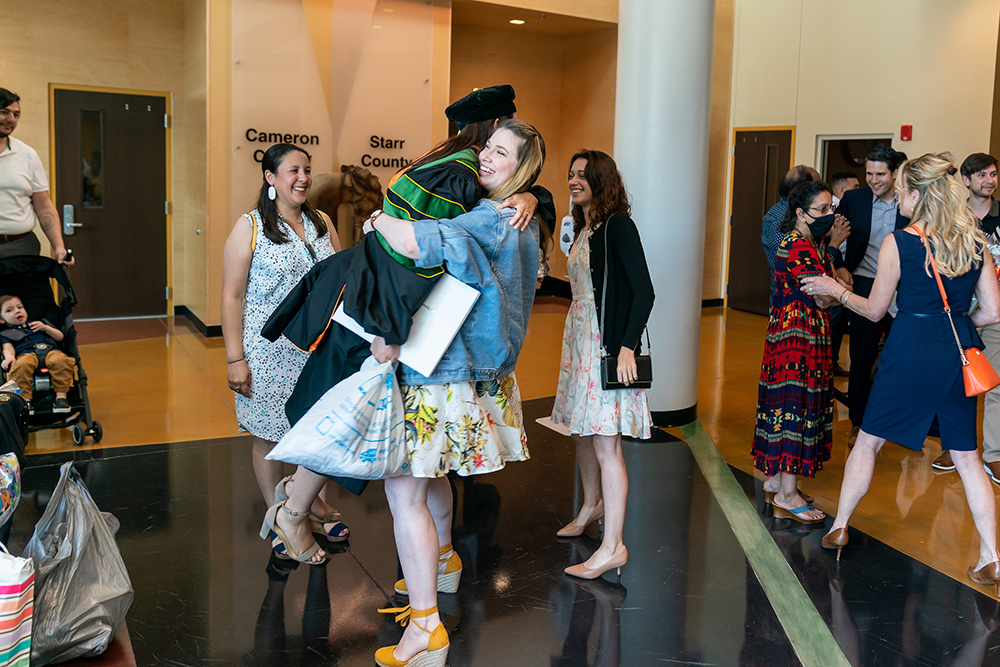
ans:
(29, 277)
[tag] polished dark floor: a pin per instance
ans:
(206, 593)
(883, 607)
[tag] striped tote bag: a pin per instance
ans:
(17, 597)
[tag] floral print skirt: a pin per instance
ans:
(469, 427)
(581, 404)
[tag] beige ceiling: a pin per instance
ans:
(488, 15)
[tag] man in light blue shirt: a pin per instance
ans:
(873, 213)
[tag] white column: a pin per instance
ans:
(662, 108)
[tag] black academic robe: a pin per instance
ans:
(377, 291)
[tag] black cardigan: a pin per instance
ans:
(630, 290)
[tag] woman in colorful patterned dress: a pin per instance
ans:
(597, 418)
(794, 433)
(267, 253)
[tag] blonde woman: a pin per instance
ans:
(919, 377)
(467, 415)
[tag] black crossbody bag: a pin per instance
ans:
(609, 363)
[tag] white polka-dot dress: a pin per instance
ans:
(274, 270)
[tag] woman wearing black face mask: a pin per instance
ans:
(794, 433)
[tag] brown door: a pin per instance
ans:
(760, 161)
(111, 168)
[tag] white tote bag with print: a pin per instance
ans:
(356, 429)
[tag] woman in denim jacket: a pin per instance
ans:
(466, 416)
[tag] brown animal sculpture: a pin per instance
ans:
(348, 198)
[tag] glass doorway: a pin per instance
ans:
(847, 153)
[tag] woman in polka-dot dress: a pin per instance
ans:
(266, 254)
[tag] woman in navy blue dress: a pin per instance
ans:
(920, 374)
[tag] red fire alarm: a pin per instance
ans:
(905, 132)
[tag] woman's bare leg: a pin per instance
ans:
(590, 478)
(440, 501)
(614, 484)
(268, 473)
(303, 494)
(788, 496)
(417, 547)
(857, 476)
(979, 493)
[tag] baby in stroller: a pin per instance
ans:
(28, 345)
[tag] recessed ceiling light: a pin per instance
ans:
(517, 21)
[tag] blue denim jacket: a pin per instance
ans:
(481, 249)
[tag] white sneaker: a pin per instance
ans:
(993, 475)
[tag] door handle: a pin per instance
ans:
(68, 224)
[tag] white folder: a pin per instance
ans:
(434, 325)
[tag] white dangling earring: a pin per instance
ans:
(271, 194)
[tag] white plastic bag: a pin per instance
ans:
(355, 430)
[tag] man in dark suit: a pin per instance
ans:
(873, 213)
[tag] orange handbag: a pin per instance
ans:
(977, 372)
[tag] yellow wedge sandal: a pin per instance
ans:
(448, 576)
(437, 646)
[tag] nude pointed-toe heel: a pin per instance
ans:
(574, 529)
(618, 559)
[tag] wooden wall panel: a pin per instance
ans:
(126, 44)
(219, 140)
(587, 114)
(598, 10)
(995, 118)
(565, 87)
(719, 151)
(191, 177)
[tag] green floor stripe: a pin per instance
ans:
(810, 637)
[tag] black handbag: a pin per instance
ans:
(609, 363)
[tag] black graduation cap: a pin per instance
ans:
(482, 104)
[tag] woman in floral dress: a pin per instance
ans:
(605, 237)
(466, 416)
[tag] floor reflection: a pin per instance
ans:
(882, 606)
(272, 647)
(579, 608)
(209, 593)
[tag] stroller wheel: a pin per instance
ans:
(78, 434)
(96, 432)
